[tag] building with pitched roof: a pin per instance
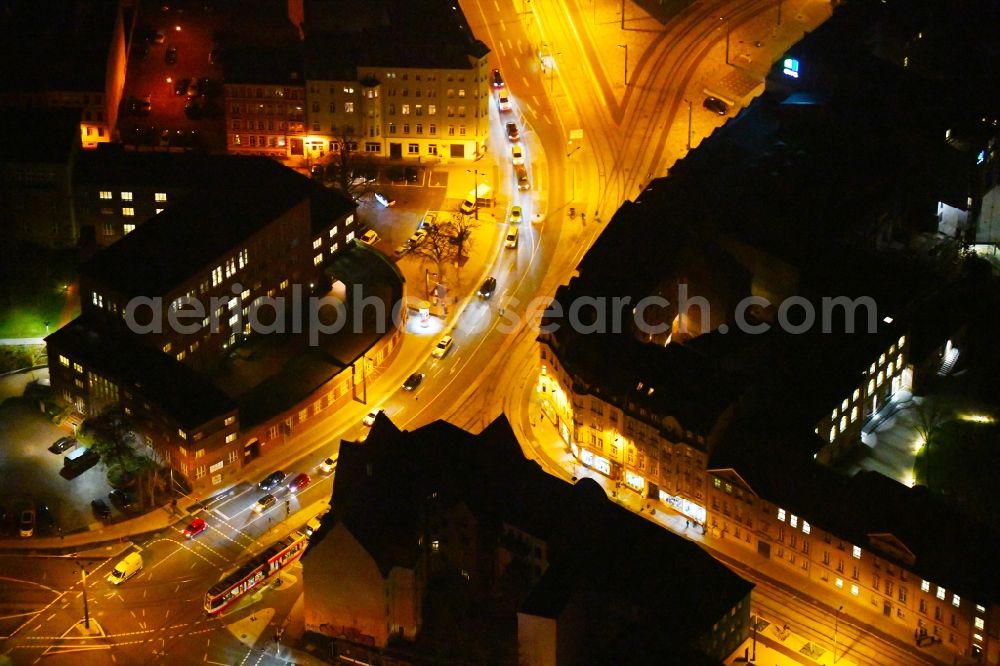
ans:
(454, 545)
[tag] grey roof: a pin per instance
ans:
(181, 392)
(187, 237)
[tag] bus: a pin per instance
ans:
(255, 572)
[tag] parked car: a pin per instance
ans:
(503, 102)
(417, 238)
(100, 509)
(271, 481)
(299, 483)
(264, 503)
(516, 154)
(716, 105)
(413, 381)
(328, 465)
(193, 89)
(171, 56)
(121, 499)
(511, 240)
(369, 419)
(62, 444)
(515, 215)
(512, 132)
(401, 250)
(489, 286)
(181, 86)
(138, 106)
(157, 37)
(197, 526)
(443, 346)
(369, 237)
(27, 522)
(497, 79)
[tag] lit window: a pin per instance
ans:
(781, 515)
(128, 212)
(159, 210)
(956, 600)
(805, 527)
(126, 196)
(160, 196)
(925, 586)
(940, 592)
(78, 367)
(979, 623)
(63, 360)
(349, 107)
(717, 482)
(182, 355)
(317, 243)
(231, 437)
(348, 221)
(840, 583)
(979, 609)
(183, 436)
(200, 453)
(283, 285)
(167, 347)
(856, 395)
(856, 552)
(128, 228)
(230, 420)
(854, 590)
(105, 194)
(435, 545)
(318, 259)
(794, 521)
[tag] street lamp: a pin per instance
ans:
(690, 112)
(86, 609)
(475, 191)
(836, 626)
(625, 46)
(573, 172)
(726, 20)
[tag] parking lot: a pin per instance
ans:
(31, 473)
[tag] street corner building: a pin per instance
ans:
(446, 545)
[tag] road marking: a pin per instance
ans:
(50, 617)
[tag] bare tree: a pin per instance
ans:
(439, 247)
(460, 229)
(353, 172)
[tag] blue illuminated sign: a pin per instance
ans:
(791, 68)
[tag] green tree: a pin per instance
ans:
(929, 418)
(110, 434)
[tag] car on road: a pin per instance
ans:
(443, 346)
(171, 55)
(511, 240)
(196, 527)
(62, 445)
(515, 215)
(300, 482)
(384, 200)
(271, 481)
(27, 522)
(121, 499)
(100, 509)
(716, 105)
(181, 86)
(512, 132)
(369, 237)
(489, 286)
(497, 79)
(413, 381)
(369, 419)
(128, 567)
(264, 503)
(516, 154)
(503, 101)
(401, 250)
(328, 465)
(522, 177)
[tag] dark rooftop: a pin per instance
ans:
(275, 65)
(177, 389)
(53, 46)
(42, 136)
(245, 196)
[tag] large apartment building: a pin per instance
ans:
(400, 80)
(161, 305)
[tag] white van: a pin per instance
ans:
(481, 197)
(128, 567)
